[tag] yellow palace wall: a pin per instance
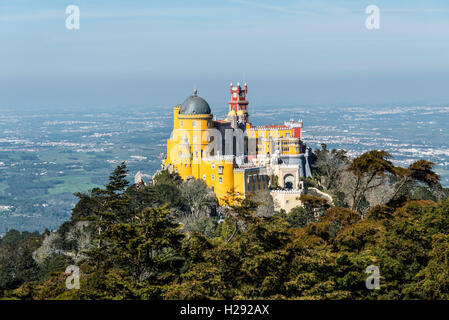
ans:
(190, 138)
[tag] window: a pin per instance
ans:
(194, 123)
(194, 139)
(220, 169)
(220, 179)
(213, 165)
(258, 186)
(213, 176)
(204, 176)
(181, 123)
(286, 201)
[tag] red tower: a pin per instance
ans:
(238, 98)
(295, 127)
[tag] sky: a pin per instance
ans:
(153, 53)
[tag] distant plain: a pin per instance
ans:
(47, 156)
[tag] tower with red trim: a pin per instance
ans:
(238, 105)
(295, 127)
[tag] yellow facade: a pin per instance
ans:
(186, 152)
(270, 139)
(189, 153)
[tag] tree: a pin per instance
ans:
(313, 204)
(330, 165)
(366, 168)
(265, 202)
(253, 264)
(199, 197)
(110, 206)
(434, 283)
(16, 262)
(165, 177)
(237, 210)
(299, 217)
(149, 247)
(117, 180)
(113, 201)
(418, 173)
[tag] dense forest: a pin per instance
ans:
(170, 239)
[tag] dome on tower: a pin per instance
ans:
(195, 105)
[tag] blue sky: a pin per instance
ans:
(290, 52)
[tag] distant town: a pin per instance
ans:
(46, 157)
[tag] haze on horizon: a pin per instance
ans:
(290, 52)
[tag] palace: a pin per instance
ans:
(234, 157)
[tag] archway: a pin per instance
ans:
(289, 181)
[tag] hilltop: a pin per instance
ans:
(170, 239)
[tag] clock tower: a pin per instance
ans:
(238, 105)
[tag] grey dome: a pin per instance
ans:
(195, 105)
